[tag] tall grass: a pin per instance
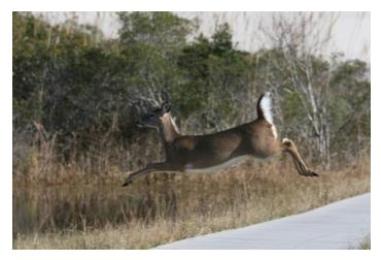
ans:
(57, 205)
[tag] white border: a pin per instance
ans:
(172, 5)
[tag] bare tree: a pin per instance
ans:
(299, 39)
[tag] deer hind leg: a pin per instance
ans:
(152, 167)
(289, 147)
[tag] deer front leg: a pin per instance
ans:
(152, 167)
(289, 147)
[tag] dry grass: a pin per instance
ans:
(365, 244)
(98, 213)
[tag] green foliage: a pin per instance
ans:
(78, 83)
(60, 76)
(350, 105)
(81, 87)
(160, 29)
(222, 40)
(215, 72)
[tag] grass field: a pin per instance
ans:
(83, 212)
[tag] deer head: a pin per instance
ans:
(153, 117)
(151, 109)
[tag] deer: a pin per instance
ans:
(258, 138)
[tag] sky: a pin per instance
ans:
(350, 33)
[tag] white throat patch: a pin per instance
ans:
(170, 129)
(174, 124)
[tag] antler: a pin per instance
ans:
(141, 104)
(155, 99)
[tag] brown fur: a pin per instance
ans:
(257, 138)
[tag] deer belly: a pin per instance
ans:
(207, 154)
(197, 168)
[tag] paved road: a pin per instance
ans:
(340, 225)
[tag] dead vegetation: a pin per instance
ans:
(81, 212)
(75, 134)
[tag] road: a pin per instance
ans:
(340, 225)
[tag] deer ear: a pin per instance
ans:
(166, 107)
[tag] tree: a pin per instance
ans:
(299, 42)
(218, 78)
(315, 100)
(350, 108)
(151, 43)
(81, 87)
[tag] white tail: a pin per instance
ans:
(183, 152)
(265, 104)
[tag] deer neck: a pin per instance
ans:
(168, 128)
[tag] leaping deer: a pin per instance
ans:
(257, 138)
